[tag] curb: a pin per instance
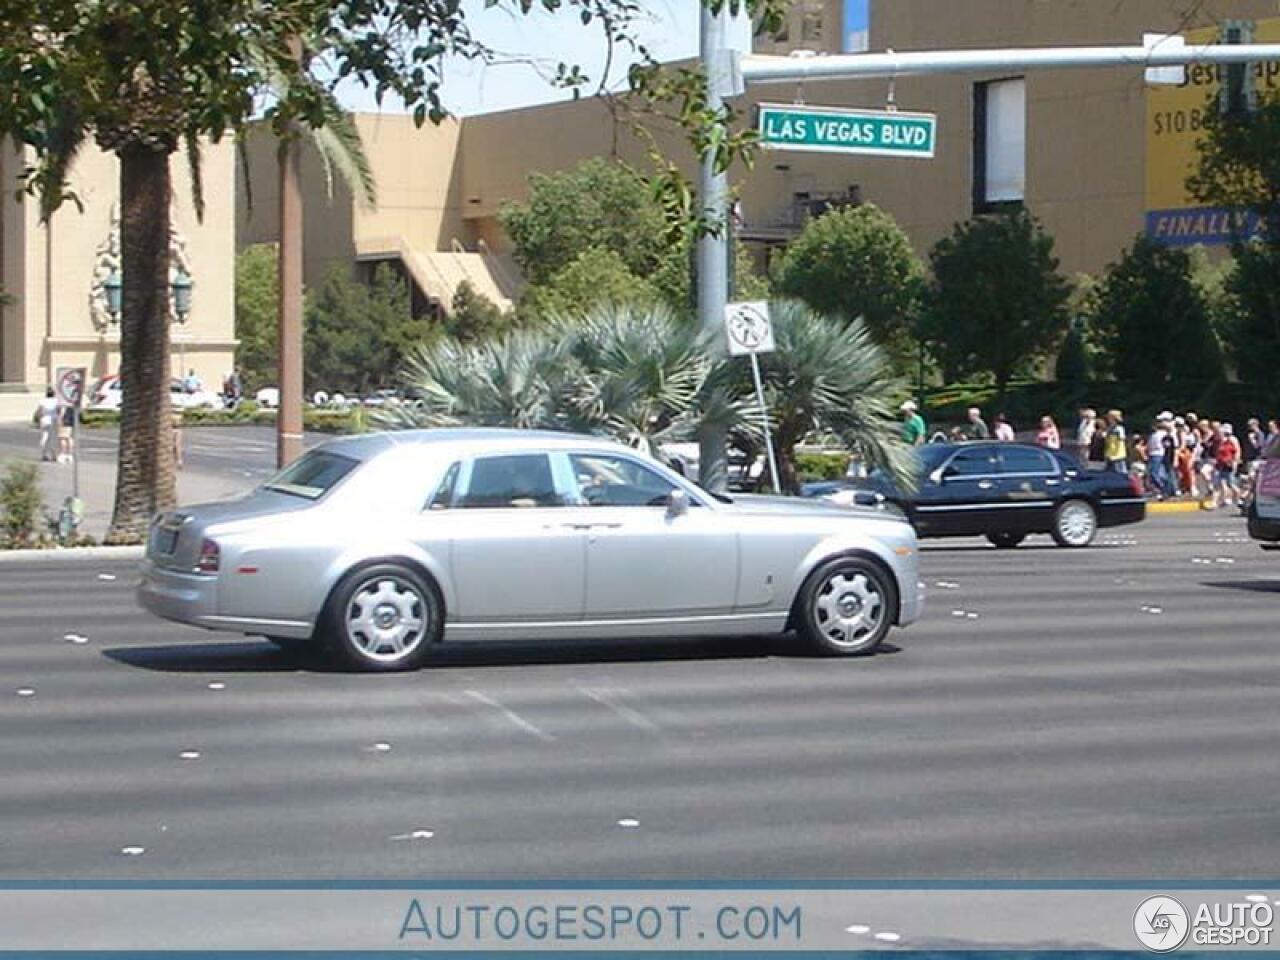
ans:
(73, 553)
(1189, 506)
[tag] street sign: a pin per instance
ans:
(68, 384)
(889, 133)
(749, 329)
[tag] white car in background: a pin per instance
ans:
(268, 397)
(107, 395)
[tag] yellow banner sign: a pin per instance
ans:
(1175, 127)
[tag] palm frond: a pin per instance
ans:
(195, 167)
(62, 143)
(341, 149)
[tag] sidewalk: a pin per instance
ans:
(196, 483)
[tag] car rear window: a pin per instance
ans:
(313, 475)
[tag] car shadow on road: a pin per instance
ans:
(261, 657)
(1250, 586)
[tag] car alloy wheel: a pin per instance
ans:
(383, 617)
(1075, 524)
(848, 606)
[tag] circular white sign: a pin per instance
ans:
(1161, 924)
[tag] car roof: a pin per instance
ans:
(469, 440)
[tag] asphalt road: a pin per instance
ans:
(1110, 713)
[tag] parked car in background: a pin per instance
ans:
(381, 546)
(268, 397)
(1003, 491)
(1264, 505)
(107, 395)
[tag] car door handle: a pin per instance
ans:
(591, 526)
(1052, 483)
(985, 484)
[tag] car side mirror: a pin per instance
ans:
(936, 476)
(677, 504)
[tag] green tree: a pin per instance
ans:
(594, 277)
(997, 303)
(1073, 365)
(1153, 320)
(359, 334)
(1239, 169)
(473, 316)
(257, 283)
(857, 262)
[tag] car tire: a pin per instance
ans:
(847, 606)
(383, 618)
(293, 646)
(1075, 523)
(1006, 541)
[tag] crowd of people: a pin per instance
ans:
(1179, 456)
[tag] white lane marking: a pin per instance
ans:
(106, 576)
(606, 699)
(947, 585)
(1224, 560)
(26, 692)
(415, 835)
(1154, 610)
(858, 928)
(888, 936)
(971, 616)
(510, 714)
(77, 638)
(957, 613)
(1256, 898)
(379, 747)
(628, 823)
(133, 851)
(189, 755)
(217, 686)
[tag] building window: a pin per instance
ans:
(999, 144)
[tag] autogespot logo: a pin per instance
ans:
(1161, 924)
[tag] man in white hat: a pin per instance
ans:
(913, 427)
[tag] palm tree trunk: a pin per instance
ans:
(145, 480)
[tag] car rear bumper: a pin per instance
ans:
(1117, 513)
(193, 599)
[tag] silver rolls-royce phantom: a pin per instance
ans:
(380, 547)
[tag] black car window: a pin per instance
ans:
(972, 462)
(523, 480)
(1025, 460)
(608, 481)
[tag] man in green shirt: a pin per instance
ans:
(913, 428)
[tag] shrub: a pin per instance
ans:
(21, 502)
(821, 466)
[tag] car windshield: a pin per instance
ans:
(313, 475)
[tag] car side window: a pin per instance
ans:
(1024, 460)
(604, 480)
(442, 499)
(975, 462)
(520, 480)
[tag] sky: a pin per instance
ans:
(670, 31)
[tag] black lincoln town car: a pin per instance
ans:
(1003, 491)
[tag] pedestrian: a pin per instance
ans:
(45, 418)
(1048, 434)
(1098, 443)
(1114, 452)
(1184, 457)
(913, 426)
(1085, 430)
(976, 428)
(1227, 461)
(1160, 449)
(66, 420)
(1273, 434)
(191, 383)
(1004, 429)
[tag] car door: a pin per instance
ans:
(642, 561)
(1030, 485)
(516, 546)
(962, 499)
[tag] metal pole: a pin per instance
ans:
(713, 249)
(761, 68)
(764, 419)
(289, 414)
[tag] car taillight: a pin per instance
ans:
(209, 557)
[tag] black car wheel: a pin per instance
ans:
(1006, 541)
(1074, 524)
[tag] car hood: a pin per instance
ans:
(792, 506)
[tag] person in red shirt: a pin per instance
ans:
(1226, 460)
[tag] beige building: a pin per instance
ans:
(1090, 152)
(56, 276)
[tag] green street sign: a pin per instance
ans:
(889, 133)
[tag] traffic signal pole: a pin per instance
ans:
(724, 68)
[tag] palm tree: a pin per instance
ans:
(828, 376)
